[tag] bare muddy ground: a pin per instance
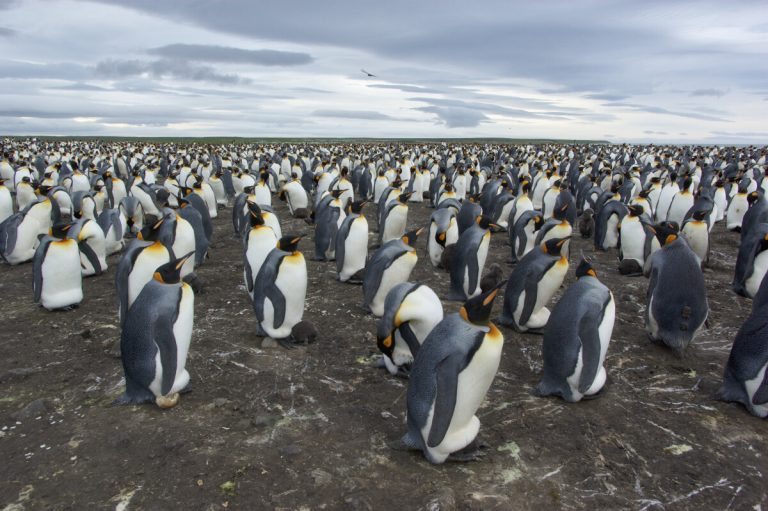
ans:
(268, 428)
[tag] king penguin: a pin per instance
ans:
(576, 339)
(449, 379)
(443, 231)
(534, 281)
(390, 265)
(57, 280)
(137, 266)
(259, 241)
(352, 244)
(522, 235)
(745, 379)
(280, 289)
(155, 339)
(468, 260)
(411, 311)
(676, 301)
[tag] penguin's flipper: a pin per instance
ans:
(86, 250)
(410, 338)
(248, 276)
(590, 349)
(473, 273)
(374, 271)
(531, 290)
(37, 268)
(447, 381)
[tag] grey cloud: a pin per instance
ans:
(418, 89)
(80, 86)
(665, 111)
(59, 70)
(7, 32)
(455, 117)
(606, 96)
(368, 115)
(228, 54)
(651, 132)
(178, 69)
(718, 93)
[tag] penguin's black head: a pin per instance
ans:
(410, 237)
(636, 209)
(448, 187)
(254, 214)
(60, 230)
(553, 246)
(644, 194)
(403, 197)
(356, 207)
(485, 222)
(26, 179)
(752, 198)
(336, 193)
(687, 182)
(666, 232)
(477, 310)
(248, 190)
(526, 187)
(559, 213)
(585, 269)
(162, 197)
(151, 228)
(538, 221)
(290, 243)
(699, 215)
(170, 272)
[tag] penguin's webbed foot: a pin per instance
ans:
(473, 452)
(401, 445)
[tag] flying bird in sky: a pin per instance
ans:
(369, 74)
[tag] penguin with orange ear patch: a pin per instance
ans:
(155, 339)
(576, 339)
(677, 304)
(449, 379)
(280, 289)
(443, 231)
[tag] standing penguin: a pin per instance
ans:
(736, 209)
(676, 307)
(6, 201)
(468, 213)
(328, 215)
(411, 311)
(137, 266)
(745, 379)
(443, 231)
(352, 244)
(279, 291)
(637, 240)
(468, 260)
(155, 339)
(534, 281)
(259, 241)
(607, 224)
(390, 265)
(92, 244)
(449, 380)
(57, 281)
(576, 339)
(522, 236)
(751, 261)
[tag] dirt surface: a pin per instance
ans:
(269, 428)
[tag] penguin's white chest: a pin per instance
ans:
(399, 271)
(395, 223)
(143, 268)
(62, 283)
(355, 247)
(697, 234)
(633, 239)
(736, 210)
(292, 282)
(550, 282)
(759, 268)
(611, 238)
(261, 241)
(751, 386)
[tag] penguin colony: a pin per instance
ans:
(67, 206)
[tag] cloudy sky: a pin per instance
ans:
(618, 70)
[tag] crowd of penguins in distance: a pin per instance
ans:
(66, 206)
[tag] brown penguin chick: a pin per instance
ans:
(304, 332)
(446, 258)
(587, 223)
(493, 276)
